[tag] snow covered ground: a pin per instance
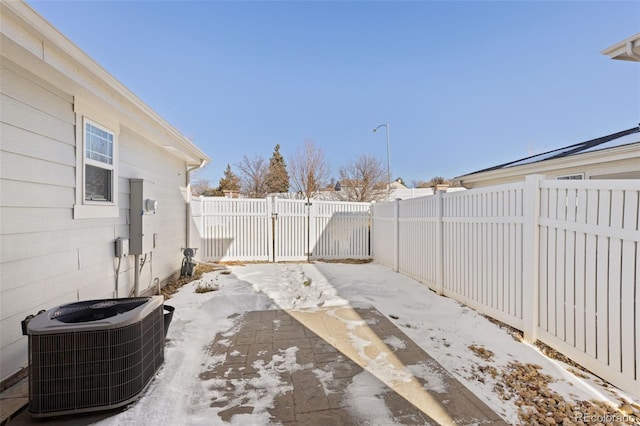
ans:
(442, 327)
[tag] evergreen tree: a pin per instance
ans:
(277, 179)
(229, 182)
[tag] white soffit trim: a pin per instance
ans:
(25, 27)
(626, 50)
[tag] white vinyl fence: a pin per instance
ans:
(558, 259)
(274, 229)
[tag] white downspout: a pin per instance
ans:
(188, 205)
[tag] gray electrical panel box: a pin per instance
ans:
(143, 211)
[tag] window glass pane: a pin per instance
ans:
(99, 144)
(97, 185)
(571, 177)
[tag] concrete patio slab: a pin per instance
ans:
(13, 400)
(315, 358)
(332, 346)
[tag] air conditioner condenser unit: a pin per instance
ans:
(93, 355)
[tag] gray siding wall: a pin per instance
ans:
(46, 256)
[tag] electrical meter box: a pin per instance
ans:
(122, 247)
(143, 211)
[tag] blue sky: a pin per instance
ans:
(463, 85)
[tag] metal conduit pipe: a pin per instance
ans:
(136, 276)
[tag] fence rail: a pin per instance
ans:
(557, 259)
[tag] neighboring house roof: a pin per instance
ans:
(81, 76)
(621, 145)
(397, 184)
(356, 183)
(625, 137)
(626, 50)
(347, 183)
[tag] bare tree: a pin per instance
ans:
(253, 174)
(438, 183)
(200, 186)
(436, 180)
(309, 170)
(363, 179)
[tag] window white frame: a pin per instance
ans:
(573, 176)
(98, 164)
(85, 209)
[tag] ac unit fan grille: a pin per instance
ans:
(93, 310)
(81, 370)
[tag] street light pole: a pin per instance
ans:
(386, 126)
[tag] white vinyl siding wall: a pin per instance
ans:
(46, 256)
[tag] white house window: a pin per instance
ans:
(577, 176)
(98, 163)
(97, 138)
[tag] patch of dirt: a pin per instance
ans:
(347, 261)
(552, 353)
(544, 348)
(528, 388)
(175, 285)
(537, 404)
(514, 332)
(483, 353)
(236, 263)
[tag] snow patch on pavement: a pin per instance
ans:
(441, 326)
(365, 398)
(395, 342)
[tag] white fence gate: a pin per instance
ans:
(558, 259)
(274, 229)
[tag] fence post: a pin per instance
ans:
(312, 237)
(439, 245)
(530, 257)
(202, 231)
(270, 229)
(371, 231)
(396, 235)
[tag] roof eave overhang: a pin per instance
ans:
(626, 50)
(626, 152)
(24, 27)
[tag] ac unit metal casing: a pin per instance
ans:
(93, 355)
